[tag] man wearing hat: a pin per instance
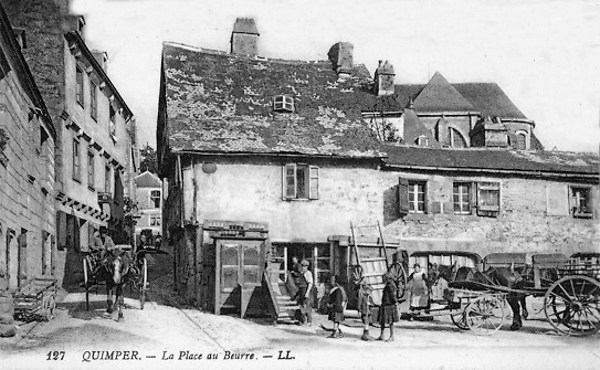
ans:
(305, 285)
(102, 243)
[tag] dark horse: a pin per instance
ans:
(501, 277)
(114, 271)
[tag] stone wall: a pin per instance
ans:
(27, 209)
(525, 223)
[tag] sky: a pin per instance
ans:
(544, 54)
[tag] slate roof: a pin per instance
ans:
(439, 95)
(487, 98)
(147, 180)
(574, 163)
(222, 103)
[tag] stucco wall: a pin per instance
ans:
(252, 191)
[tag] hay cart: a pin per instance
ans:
(36, 300)
(570, 287)
(370, 269)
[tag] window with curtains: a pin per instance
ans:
(76, 160)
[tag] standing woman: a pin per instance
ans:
(388, 312)
(419, 289)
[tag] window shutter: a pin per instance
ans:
(403, 206)
(488, 198)
(313, 192)
(289, 181)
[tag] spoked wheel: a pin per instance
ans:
(400, 278)
(143, 283)
(572, 305)
(86, 277)
(459, 319)
(485, 315)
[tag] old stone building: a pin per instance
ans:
(308, 147)
(96, 155)
(27, 137)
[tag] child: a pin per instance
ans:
(364, 296)
(337, 303)
(388, 312)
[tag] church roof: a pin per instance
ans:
(439, 95)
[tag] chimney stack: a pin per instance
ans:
(244, 38)
(341, 56)
(384, 79)
(102, 59)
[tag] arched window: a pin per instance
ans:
(456, 140)
(521, 141)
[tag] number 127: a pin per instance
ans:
(55, 355)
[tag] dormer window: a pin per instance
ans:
(422, 141)
(283, 103)
(522, 140)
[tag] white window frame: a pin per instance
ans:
(575, 198)
(283, 103)
(460, 194)
(79, 88)
(290, 181)
(93, 100)
(76, 160)
(152, 198)
(413, 188)
(91, 169)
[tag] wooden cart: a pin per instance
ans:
(36, 300)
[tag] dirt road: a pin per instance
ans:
(164, 337)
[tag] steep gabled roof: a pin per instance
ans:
(147, 180)
(485, 97)
(440, 96)
(489, 99)
(503, 160)
(223, 103)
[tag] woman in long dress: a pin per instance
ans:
(419, 289)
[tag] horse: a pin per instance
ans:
(115, 271)
(494, 276)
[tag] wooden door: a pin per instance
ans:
(230, 267)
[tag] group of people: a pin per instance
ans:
(418, 286)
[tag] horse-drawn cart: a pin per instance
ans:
(137, 278)
(36, 300)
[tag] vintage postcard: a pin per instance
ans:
(267, 184)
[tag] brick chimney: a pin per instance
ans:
(102, 59)
(384, 79)
(244, 38)
(341, 56)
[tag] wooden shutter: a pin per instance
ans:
(403, 206)
(488, 198)
(313, 192)
(289, 181)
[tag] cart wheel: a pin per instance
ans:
(86, 279)
(485, 315)
(48, 307)
(572, 305)
(399, 276)
(458, 319)
(144, 283)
